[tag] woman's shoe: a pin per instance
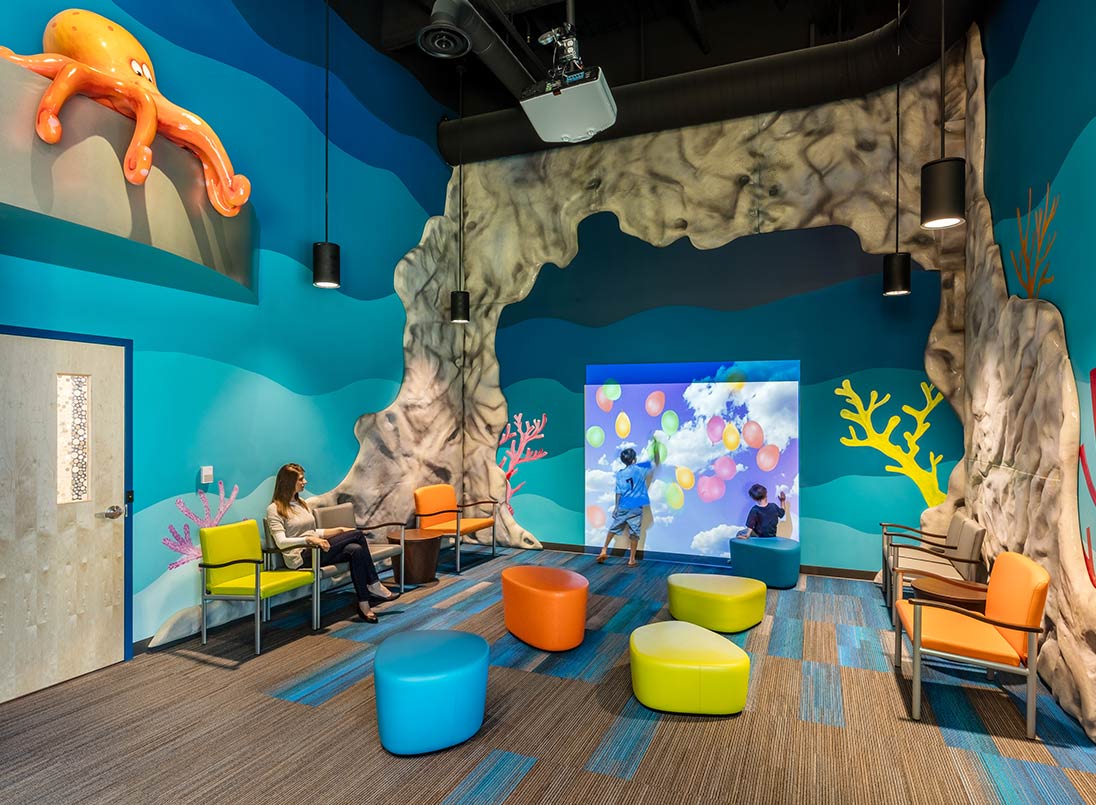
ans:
(368, 615)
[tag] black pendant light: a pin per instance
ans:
(459, 301)
(325, 256)
(944, 180)
(896, 266)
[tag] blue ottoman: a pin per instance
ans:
(773, 560)
(431, 689)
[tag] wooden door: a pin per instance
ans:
(62, 466)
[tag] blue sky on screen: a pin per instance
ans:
(698, 492)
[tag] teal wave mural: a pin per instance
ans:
(247, 387)
(1041, 128)
(624, 301)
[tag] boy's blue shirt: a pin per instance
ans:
(631, 485)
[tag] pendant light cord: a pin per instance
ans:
(460, 175)
(897, 123)
(326, 111)
(943, 4)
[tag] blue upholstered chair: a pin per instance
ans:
(431, 689)
(773, 560)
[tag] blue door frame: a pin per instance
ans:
(127, 345)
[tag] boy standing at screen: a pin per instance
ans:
(764, 516)
(631, 497)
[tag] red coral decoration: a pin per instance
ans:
(1087, 550)
(518, 452)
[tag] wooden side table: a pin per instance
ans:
(420, 551)
(937, 590)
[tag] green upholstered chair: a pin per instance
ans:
(232, 570)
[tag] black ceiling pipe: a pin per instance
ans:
(795, 80)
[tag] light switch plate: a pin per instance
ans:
(207, 475)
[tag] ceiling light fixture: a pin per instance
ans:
(943, 181)
(459, 301)
(326, 262)
(896, 266)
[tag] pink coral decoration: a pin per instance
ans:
(518, 436)
(182, 544)
(1087, 550)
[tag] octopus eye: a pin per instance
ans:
(135, 66)
(146, 71)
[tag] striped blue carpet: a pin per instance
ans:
(564, 727)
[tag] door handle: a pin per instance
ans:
(113, 512)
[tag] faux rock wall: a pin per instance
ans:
(831, 164)
(1022, 434)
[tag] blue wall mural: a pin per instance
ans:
(1041, 129)
(811, 296)
(248, 387)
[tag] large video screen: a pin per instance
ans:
(710, 431)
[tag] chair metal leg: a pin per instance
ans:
(898, 647)
(403, 558)
(1032, 682)
(916, 662)
(204, 588)
(456, 542)
(493, 521)
(258, 610)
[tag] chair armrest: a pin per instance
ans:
(284, 550)
(921, 574)
(939, 555)
(888, 526)
(233, 562)
(431, 514)
(479, 503)
(921, 602)
(375, 526)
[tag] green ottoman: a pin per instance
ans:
(719, 603)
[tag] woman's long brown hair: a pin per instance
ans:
(285, 488)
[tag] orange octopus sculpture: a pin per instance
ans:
(88, 54)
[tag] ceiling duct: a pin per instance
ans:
(456, 28)
(794, 80)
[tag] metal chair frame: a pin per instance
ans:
(457, 511)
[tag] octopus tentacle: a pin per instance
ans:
(67, 83)
(139, 154)
(45, 64)
(227, 191)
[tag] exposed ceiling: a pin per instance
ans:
(631, 40)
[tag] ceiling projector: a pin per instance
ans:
(574, 103)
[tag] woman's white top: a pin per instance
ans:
(292, 531)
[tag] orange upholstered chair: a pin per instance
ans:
(1004, 639)
(545, 606)
(437, 512)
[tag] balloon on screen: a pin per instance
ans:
(623, 425)
(669, 422)
(725, 467)
(656, 401)
(753, 435)
(595, 436)
(603, 402)
(710, 488)
(595, 516)
(730, 437)
(675, 498)
(612, 390)
(658, 451)
(767, 457)
(685, 477)
(737, 380)
(715, 429)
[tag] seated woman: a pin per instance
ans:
(293, 526)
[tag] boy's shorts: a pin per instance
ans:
(632, 518)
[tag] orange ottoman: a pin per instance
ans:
(545, 606)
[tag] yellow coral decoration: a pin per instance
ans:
(905, 459)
